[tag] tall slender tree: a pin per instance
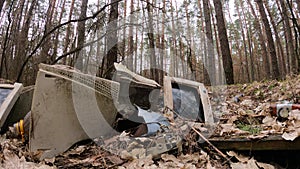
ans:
(248, 76)
(130, 40)
(23, 41)
(78, 57)
(56, 39)
(290, 41)
(247, 20)
(3, 65)
(191, 58)
(275, 70)
(111, 40)
(47, 45)
(15, 57)
(209, 42)
(278, 42)
(1, 4)
(150, 33)
(68, 32)
(298, 5)
(226, 56)
(261, 40)
(162, 44)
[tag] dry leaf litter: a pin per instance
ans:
(243, 110)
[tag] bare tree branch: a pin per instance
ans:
(54, 29)
(77, 49)
(3, 57)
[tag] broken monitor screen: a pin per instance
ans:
(187, 102)
(4, 92)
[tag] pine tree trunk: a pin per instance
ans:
(162, 52)
(173, 43)
(226, 56)
(136, 50)
(278, 42)
(251, 56)
(78, 61)
(24, 36)
(275, 69)
(298, 6)
(293, 45)
(87, 62)
(112, 40)
(177, 60)
(130, 41)
(261, 40)
(56, 40)
(3, 61)
(1, 4)
(191, 54)
(142, 51)
(150, 34)
(241, 72)
(248, 77)
(220, 78)
(67, 37)
(203, 77)
(249, 40)
(209, 44)
(45, 56)
(16, 47)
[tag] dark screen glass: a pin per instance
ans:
(3, 94)
(187, 102)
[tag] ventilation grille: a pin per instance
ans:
(107, 88)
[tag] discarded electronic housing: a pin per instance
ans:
(9, 94)
(69, 106)
(134, 88)
(193, 95)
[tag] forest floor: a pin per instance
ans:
(244, 112)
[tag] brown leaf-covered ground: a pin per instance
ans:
(247, 109)
(241, 110)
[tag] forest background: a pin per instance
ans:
(214, 42)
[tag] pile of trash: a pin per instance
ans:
(141, 124)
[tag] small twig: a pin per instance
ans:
(104, 163)
(206, 140)
(118, 164)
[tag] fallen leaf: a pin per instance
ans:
(12, 161)
(268, 120)
(258, 137)
(115, 159)
(169, 157)
(251, 164)
(247, 102)
(291, 135)
(76, 151)
(50, 160)
(239, 157)
(232, 119)
(294, 115)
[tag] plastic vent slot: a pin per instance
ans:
(107, 88)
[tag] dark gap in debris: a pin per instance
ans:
(140, 97)
(49, 76)
(129, 123)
